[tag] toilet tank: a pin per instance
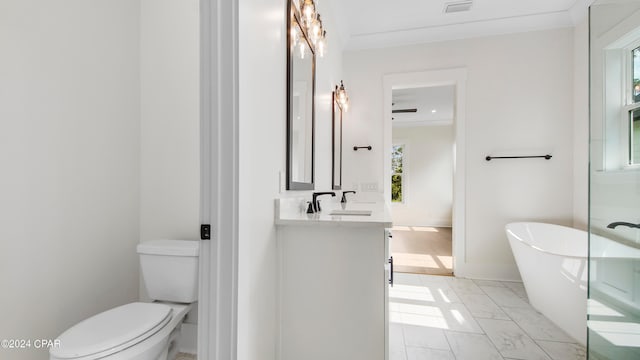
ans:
(170, 269)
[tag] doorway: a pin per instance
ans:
(422, 179)
(452, 82)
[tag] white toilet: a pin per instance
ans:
(141, 331)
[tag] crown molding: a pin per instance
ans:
(580, 10)
(474, 29)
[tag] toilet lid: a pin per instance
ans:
(112, 330)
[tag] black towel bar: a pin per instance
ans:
(489, 157)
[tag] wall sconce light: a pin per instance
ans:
(311, 26)
(342, 97)
(321, 44)
(308, 11)
(295, 34)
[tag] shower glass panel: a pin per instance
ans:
(613, 315)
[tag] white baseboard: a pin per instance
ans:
(427, 224)
(500, 272)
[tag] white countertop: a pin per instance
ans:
(292, 211)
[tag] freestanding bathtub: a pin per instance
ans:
(552, 260)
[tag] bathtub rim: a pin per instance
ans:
(509, 231)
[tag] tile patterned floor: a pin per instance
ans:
(185, 356)
(440, 317)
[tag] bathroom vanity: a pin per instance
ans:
(334, 277)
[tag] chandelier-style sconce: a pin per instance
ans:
(341, 96)
(307, 20)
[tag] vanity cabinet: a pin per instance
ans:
(334, 281)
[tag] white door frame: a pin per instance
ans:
(458, 78)
(217, 308)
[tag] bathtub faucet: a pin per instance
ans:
(613, 225)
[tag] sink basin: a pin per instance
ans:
(351, 212)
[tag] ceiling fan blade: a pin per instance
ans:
(404, 111)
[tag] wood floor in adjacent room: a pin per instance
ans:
(422, 250)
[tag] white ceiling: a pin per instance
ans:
(384, 23)
(425, 100)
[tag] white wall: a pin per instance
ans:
(581, 125)
(170, 123)
(428, 176)
(262, 160)
(519, 102)
(69, 154)
(262, 145)
(170, 129)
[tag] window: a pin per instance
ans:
(615, 101)
(633, 109)
(635, 139)
(397, 163)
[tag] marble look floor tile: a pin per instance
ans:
(435, 317)
(426, 279)
(503, 296)
(472, 346)
(454, 317)
(425, 337)
(185, 356)
(437, 322)
(481, 306)
(417, 308)
(414, 353)
(406, 288)
(396, 338)
(563, 351)
(395, 317)
(407, 279)
(441, 292)
(407, 296)
(397, 355)
(464, 286)
(459, 318)
(517, 288)
(536, 325)
(489, 283)
(511, 341)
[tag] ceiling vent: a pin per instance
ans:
(458, 6)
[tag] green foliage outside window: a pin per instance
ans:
(397, 158)
(634, 114)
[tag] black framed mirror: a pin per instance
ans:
(336, 183)
(301, 63)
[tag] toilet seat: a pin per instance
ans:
(112, 331)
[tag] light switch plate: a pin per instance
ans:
(369, 187)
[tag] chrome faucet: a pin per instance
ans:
(315, 203)
(344, 196)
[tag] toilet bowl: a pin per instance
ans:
(141, 331)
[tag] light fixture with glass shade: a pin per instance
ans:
(295, 35)
(308, 11)
(342, 97)
(307, 24)
(321, 44)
